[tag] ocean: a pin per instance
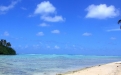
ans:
(40, 64)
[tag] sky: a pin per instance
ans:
(85, 27)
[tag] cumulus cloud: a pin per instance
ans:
(46, 9)
(6, 33)
(110, 30)
(55, 31)
(52, 19)
(86, 34)
(40, 34)
(4, 9)
(101, 11)
(43, 25)
(113, 38)
(57, 47)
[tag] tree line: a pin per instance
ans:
(5, 48)
(5, 43)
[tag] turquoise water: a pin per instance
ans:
(49, 64)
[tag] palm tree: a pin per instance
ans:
(8, 44)
(119, 21)
(4, 42)
(5, 48)
(0, 43)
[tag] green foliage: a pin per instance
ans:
(119, 21)
(5, 48)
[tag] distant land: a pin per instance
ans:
(5, 48)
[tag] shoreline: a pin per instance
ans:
(113, 68)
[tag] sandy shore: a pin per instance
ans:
(106, 69)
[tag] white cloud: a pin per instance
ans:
(4, 9)
(46, 10)
(57, 47)
(55, 31)
(113, 30)
(6, 33)
(101, 11)
(52, 19)
(113, 38)
(45, 7)
(40, 34)
(86, 34)
(43, 25)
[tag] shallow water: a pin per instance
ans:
(49, 64)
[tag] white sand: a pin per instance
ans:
(106, 69)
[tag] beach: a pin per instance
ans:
(105, 69)
(38, 64)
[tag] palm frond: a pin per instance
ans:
(119, 21)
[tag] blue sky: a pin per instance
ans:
(62, 26)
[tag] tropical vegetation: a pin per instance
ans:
(5, 48)
(119, 21)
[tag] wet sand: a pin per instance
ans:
(106, 69)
